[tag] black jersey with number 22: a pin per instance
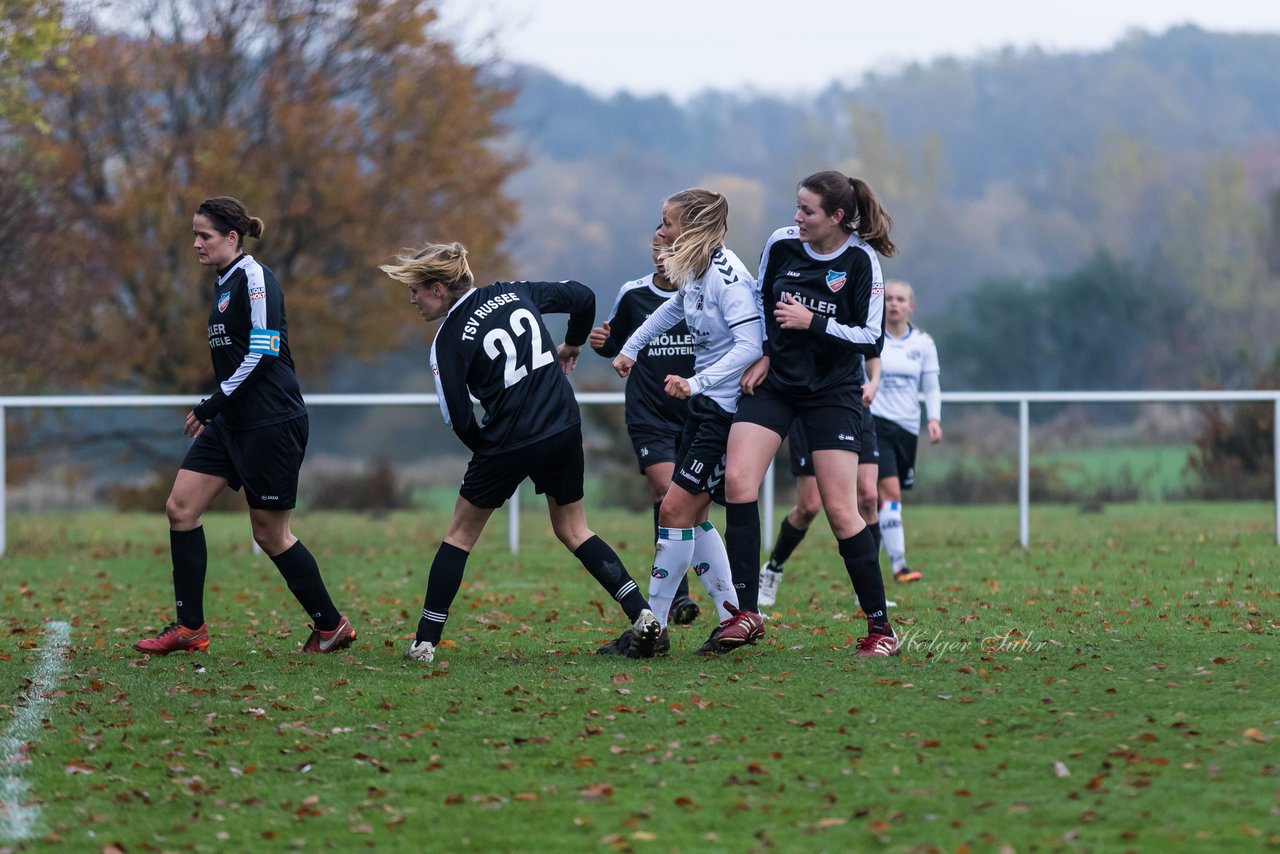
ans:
(494, 346)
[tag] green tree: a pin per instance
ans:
(33, 33)
(1087, 330)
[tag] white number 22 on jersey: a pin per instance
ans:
(522, 322)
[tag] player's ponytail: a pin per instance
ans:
(874, 223)
(704, 221)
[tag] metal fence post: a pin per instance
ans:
(4, 497)
(1024, 472)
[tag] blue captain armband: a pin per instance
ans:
(264, 341)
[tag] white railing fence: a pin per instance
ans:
(1023, 399)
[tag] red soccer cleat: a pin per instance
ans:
(877, 644)
(742, 627)
(340, 638)
(175, 638)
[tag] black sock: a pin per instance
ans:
(789, 536)
(190, 559)
(607, 569)
(874, 527)
(302, 574)
(863, 565)
(742, 542)
(442, 586)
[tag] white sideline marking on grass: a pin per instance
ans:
(17, 820)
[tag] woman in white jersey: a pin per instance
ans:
(909, 365)
(720, 303)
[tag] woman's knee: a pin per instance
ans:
(182, 515)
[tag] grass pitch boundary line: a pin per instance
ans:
(18, 820)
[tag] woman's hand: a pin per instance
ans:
(754, 375)
(192, 427)
(622, 365)
(869, 389)
(677, 387)
(598, 336)
(568, 357)
(791, 314)
(935, 431)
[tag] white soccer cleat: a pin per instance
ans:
(424, 652)
(770, 581)
(646, 630)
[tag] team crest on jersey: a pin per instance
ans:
(224, 300)
(836, 280)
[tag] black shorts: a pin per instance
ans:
(899, 452)
(700, 457)
(798, 447)
(652, 446)
(555, 466)
(264, 460)
(829, 423)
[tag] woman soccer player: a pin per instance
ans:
(655, 419)
(720, 304)
(493, 346)
(252, 431)
(910, 366)
(822, 285)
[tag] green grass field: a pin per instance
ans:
(1114, 688)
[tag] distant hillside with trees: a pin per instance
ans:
(1020, 174)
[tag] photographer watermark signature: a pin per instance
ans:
(1003, 640)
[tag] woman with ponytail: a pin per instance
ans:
(823, 293)
(251, 432)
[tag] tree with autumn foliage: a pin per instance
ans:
(350, 126)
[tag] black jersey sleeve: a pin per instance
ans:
(619, 326)
(449, 364)
(568, 297)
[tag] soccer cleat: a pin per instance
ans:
(175, 638)
(661, 646)
(621, 645)
(770, 580)
(905, 575)
(683, 611)
(712, 646)
(332, 641)
(877, 644)
(647, 630)
(742, 627)
(424, 651)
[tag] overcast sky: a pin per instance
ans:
(681, 47)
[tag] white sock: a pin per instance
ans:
(671, 561)
(711, 565)
(895, 542)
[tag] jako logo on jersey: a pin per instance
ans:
(836, 280)
(792, 274)
(224, 300)
(843, 438)
(701, 568)
(658, 572)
